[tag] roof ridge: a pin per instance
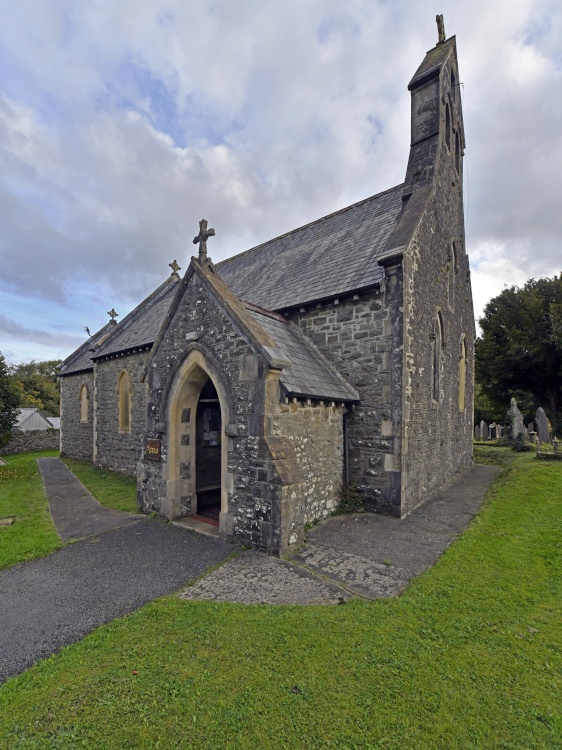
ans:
(309, 224)
(266, 313)
(142, 307)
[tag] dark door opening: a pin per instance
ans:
(208, 454)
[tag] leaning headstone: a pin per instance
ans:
(477, 432)
(483, 430)
(517, 424)
(542, 426)
(499, 430)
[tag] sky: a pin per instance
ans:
(124, 122)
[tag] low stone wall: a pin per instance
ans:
(32, 440)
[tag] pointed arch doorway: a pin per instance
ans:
(197, 461)
(208, 438)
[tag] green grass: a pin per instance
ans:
(470, 656)
(21, 495)
(110, 489)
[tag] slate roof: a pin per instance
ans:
(31, 414)
(329, 257)
(139, 328)
(81, 359)
(310, 374)
(142, 326)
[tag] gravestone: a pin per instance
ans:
(498, 430)
(530, 427)
(542, 426)
(477, 432)
(517, 424)
(493, 431)
(483, 430)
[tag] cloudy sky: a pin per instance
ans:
(123, 122)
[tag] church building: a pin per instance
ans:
(247, 393)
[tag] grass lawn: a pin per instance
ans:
(110, 489)
(470, 656)
(21, 495)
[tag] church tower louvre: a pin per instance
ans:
(340, 352)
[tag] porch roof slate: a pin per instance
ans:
(310, 375)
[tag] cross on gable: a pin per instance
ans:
(112, 314)
(174, 266)
(202, 238)
(440, 29)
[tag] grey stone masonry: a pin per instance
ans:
(77, 437)
(115, 450)
(356, 334)
(437, 426)
(282, 464)
(32, 440)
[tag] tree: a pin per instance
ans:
(520, 349)
(36, 383)
(9, 402)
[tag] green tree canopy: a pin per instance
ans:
(520, 349)
(9, 402)
(36, 384)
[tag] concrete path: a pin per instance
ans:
(76, 513)
(364, 554)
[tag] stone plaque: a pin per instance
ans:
(154, 449)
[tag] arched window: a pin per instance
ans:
(84, 403)
(462, 373)
(125, 392)
(448, 126)
(457, 152)
(452, 272)
(436, 358)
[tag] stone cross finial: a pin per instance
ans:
(174, 266)
(440, 28)
(202, 238)
(112, 314)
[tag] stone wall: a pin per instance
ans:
(32, 440)
(76, 436)
(437, 434)
(238, 374)
(361, 338)
(115, 450)
(272, 483)
(315, 433)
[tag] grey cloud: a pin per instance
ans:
(312, 113)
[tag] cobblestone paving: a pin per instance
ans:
(253, 578)
(358, 574)
(349, 556)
